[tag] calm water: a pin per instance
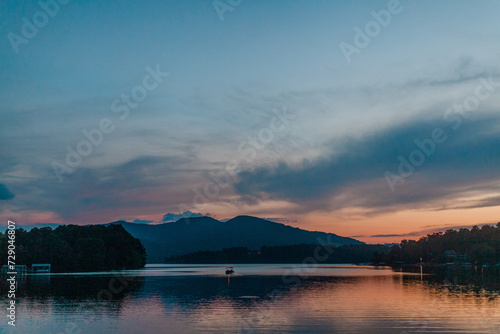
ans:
(258, 299)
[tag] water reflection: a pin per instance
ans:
(381, 302)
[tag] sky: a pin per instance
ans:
(372, 119)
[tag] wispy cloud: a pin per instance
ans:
(351, 174)
(5, 193)
(422, 232)
(281, 220)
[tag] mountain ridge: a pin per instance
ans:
(188, 235)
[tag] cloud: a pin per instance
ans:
(100, 194)
(472, 204)
(5, 193)
(143, 170)
(186, 214)
(139, 221)
(351, 172)
(410, 234)
(424, 231)
(463, 70)
(281, 220)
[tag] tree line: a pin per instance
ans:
(476, 245)
(70, 248)
(284, 254)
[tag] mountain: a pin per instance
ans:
(205, 233)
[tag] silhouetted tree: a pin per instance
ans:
(75, 248)
(481, 245)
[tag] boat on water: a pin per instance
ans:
(229, 270)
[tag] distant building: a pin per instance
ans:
(450, 255)
(40, 268)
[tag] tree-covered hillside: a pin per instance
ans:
(76, 248)
(477, 245)
(205, 233)
(285, 254)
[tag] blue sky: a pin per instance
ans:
(351, 120)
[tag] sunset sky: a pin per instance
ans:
(375, 119)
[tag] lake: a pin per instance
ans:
(257, 299)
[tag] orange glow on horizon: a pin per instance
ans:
(399, 223)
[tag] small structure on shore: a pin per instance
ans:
(18, 269)
(450, 256)
(229, 270)
(40, 268)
